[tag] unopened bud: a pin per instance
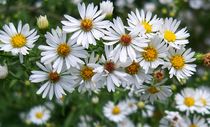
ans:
(173, 87)
(107, 8)
(141, 104)
(42, 22)
(206, 60)
(3, 71)
(159, 75)
(27, 82)
(95, 100)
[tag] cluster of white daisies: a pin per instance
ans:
(194, 100)
(119, 113)
(193, 103)
(131, 53)
(175, 119)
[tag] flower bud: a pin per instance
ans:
(3, 71)
(95, 100)
(206, 60)
(141, 104)
(173, 87)
(149, 6)
(159, 75)
(107, 8)
(42, 22)
(27, 82)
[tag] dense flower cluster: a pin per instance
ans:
(120, 112)
(131, 53)
(138, 56)
(194, 100)
(175, 119)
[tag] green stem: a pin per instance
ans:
(6, 55)
(13, 75)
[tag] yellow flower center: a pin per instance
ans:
(39, 115)
(177, 62)
(150, 54)
(54, 77)
(147, 26)
(109, 66)
(86, 24)
(203, 101)
(193, 125)
(133, 68)
(125, 40)
(189, 101)
(18, 41)
(169, 36)
(63, 49)
(153, 90)
(86, 73)
(116, 110)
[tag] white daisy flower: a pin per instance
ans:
(208, 120)
(196, 122)
(143, 125)
(131, 105)
(147, 110)
(137, 75)
(61, 51)
(173, 119)
(24, 116)
(87, 29)
(150, 6)
(55, 82)
(153, 54)
(125, 123)
(107, 7)
(171, 35)
(179, 63)
(85, 121)
(85, 75)
(76, 2)
(124, 3)
(155, 92)
(49, 105)
(167, 123)
(204, 97)
(114, 112)
(187, 100)
(144, 20)
(18, 41)
(110, 71)
(196, 4)
(165, 1)
(127, 43)
(39, 115)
